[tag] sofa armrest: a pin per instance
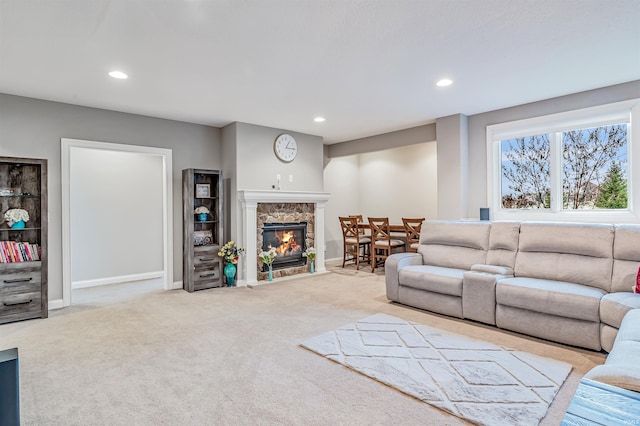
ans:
(622, 376)
(392, 267)
(492, 269)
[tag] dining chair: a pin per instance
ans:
(412, 227)
(352, 242)
(382, 244)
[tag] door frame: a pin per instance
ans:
(167, 211)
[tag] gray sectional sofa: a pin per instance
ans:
(566, 282)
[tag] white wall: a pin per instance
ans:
(394, 183)
(116, 213)
(342, 180)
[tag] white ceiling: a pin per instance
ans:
(368, 66)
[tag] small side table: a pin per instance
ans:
(597, 403)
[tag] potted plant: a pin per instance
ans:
(310, 253)
(202, 213)
(230, 253)
(16, 218)
(267, 257)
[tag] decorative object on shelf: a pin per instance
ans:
(6, 192)
(203, 190)
(230, 270)
(230, 252)
(202, 213)
(267, 257)
(18, 225)
(310, 253)
(202, 238)
(16, 218)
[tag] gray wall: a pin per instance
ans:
(477, 178)
(411, 136)
(33, 128)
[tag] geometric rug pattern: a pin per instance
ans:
(475, 380)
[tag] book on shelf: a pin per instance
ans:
(15, 251)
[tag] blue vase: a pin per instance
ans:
(270, 274)
(202, 217)
(18, 225)
(311, 270)
(230, 274)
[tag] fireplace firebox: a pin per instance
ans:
(289, 241)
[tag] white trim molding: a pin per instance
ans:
(167, 206)
(117, 280)
(250, 199)
(626, 111)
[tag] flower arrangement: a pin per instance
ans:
(202, 209)
(16, 215)
(267, 257)
(230, 252)
(310, 253)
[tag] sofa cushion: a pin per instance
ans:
(503, 243)
(626, 257)
(454, 244)
(629, 329)
(551, 297)
(576, 253)
(433, 278)
(614, 306)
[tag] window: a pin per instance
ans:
(577, 165)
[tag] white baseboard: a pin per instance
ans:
(56, 304)
(176, 285)
(116, 280)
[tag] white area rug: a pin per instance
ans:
(475, 380)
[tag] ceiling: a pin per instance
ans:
(367, 66)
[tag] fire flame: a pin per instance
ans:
(288, 244)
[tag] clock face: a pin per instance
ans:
(285, 147)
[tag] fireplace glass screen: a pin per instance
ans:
(289, 241)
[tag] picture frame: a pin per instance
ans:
(202, 238)
(203, 190)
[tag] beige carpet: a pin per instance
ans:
(472, 379)
(230, 357)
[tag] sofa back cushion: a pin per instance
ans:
(503, 243)
(575, 253)
(626, 257)
(454, 244)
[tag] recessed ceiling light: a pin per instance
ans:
(444, 82)
(319, 119)
(118, 74)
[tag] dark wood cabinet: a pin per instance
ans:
(23, 247)
(202, 232)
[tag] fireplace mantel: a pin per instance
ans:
(250, 199)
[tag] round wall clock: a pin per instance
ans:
(285, 147)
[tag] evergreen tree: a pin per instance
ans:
(613, 191)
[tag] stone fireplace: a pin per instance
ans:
(264, 210)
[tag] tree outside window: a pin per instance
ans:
(593, 173)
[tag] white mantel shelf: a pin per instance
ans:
(261, 196)
(250, 199)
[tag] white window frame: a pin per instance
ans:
(627, 111)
